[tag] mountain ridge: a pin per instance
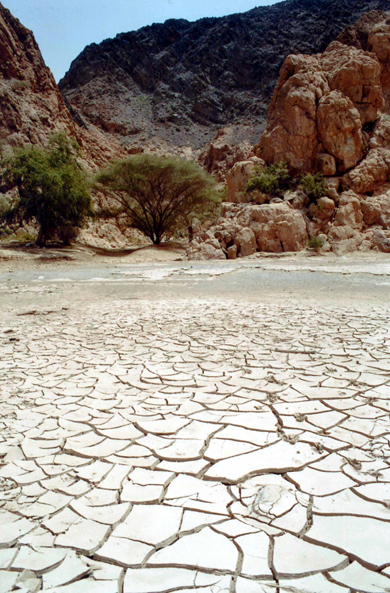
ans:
(178, 82)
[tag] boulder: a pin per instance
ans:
(277, 227)
(332, 188)
(232, 252)
(245, 242)
(220, 155)
(340, 129)
(349, 213)
(204, 251)
(376, 210)
(380, 240)
(326, 164)
(319, 109)
(238, 177)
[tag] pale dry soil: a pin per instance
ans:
(181, 426)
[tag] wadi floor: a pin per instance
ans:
(181, 426)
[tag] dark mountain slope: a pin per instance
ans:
(178, 82)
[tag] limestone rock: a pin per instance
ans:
(277, 227)
(376, 210)
(332, 188)
(326, 164)
(245, 241)
(380, 240)
(340, 129)
(349, 212)
(320, 106)
(238, 177)
(232, 252)
(204, 251)
(220, 155)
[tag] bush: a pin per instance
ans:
(4, 207)
(313, 185)
(315, 243)
(52, 186)
(272, 180)
(160, 195)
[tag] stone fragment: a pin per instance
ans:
(357, 577)
(365, 538)
(124, 551)
(255, 547)
(84, 535)
(70, 570)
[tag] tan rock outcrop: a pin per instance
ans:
(376, 210)
(349, 212)
(372, 33)
(202, 251)
(245, 241)
(246, 228)
(219, 156)
(319, 109)
(277, 227)
(340, 129)
(238, 177)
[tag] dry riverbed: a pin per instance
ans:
(181, 426)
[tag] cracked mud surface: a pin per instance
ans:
(177, 443)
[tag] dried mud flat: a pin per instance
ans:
(195, 427)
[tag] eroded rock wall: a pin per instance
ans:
(330, 113)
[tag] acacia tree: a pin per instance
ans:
(53, 188)
(160, 195)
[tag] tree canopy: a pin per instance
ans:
(159, 194)
(53, 188)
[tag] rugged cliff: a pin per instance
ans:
(173, 84)
(31, 105)
(329, 114)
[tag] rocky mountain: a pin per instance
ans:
(173, 85)
(329, 114)
(31, 105)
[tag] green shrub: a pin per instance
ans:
(315, 243)
(52, 186)
(313, 185)
(4, 206)
(272, 180)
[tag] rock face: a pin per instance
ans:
(321, 108)
(178, 82)
(31, 105)
(244, 229)
(329, 113)
(238, 177)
